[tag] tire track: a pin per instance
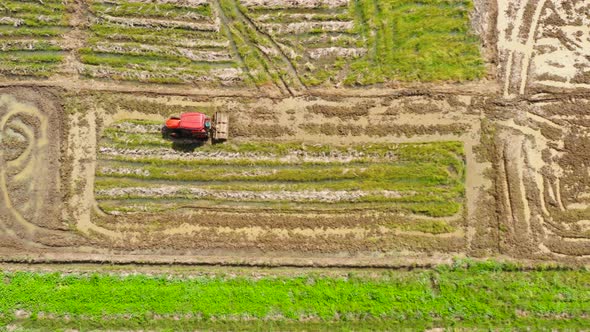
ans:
(290, 66)
(519, 51)
(224, 23)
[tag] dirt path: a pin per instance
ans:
(75, 39)
(483, 88)
(82, 150)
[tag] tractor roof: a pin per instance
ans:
(192, 121)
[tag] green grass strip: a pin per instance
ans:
(139, 49)
(30, 57)
(144, 74)
(9, 7)
(485, 295)
(281, 10)
(26, 31)
(147, 61)
(424, 174)
(234, 162)
(421, 158)
(31, 19)
(43, 2)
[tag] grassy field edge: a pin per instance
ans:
(466, 294)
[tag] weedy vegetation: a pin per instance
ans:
(375, 41)
(464, 295)
(415, 41)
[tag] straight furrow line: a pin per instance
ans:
(192, 3)
(415, 210)
(338, 52)
(291, 157)
(306, 27)
(163, 11)
(29, 45)
(143, 49)
(164, 75)
(285, 18)
(159, 23)
(198, 193)
(282, 4)
(159, 40)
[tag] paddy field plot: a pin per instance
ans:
(274, 46)
(31, 38)
(268, 188)
(158, 43)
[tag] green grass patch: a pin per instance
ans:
(405, 40)
(26, 31)
(31, 56)
(429, 40)
(264, 68)
(426, 226)
(483, 295)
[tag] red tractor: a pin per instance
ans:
(196, 126)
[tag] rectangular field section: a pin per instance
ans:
(31, 37)
(139, 172)
(168, 42)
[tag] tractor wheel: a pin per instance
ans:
(165, 132)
